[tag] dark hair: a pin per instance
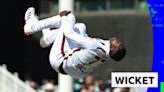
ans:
(119, 54)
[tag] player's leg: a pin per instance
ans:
(33, 24)
(71, 19)
(60, 45)
(48, 37)
(80, 28)
(58, 50)
(52, 22)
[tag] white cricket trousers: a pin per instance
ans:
(62, 47)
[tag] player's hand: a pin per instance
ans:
(64, 13)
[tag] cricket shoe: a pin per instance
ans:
(30, 20)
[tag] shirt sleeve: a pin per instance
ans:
(84, 42)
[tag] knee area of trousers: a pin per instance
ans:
(71, 17)
(81, 27)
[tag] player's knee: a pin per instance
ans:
(81, 28)
(71, 18)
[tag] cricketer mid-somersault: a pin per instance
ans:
(73, 52)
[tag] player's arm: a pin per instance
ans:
(85, 42)
(48, 37)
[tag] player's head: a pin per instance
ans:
(117, 49)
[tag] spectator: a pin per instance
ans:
(49, 87)
(91, 88)
(32, 84)
(88, 81)
(125, 90)
(84, 90)
(121, 89)
(88, 84)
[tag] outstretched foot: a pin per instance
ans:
(30, 19)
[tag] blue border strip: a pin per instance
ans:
(156, 8)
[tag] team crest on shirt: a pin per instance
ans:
(82, 68)
(85, 68)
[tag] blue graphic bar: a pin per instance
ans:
(156, 8)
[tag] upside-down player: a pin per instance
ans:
(72, 52)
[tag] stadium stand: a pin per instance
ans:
(11, 83)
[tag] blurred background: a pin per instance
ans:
(127, 19)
